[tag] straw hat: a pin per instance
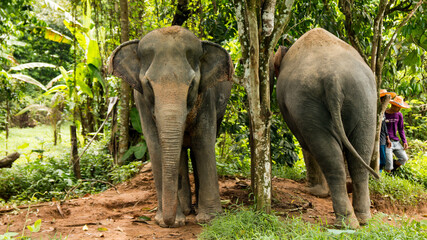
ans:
(384, 92)
(398, 102)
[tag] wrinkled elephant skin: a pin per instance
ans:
(181, 87)
(327, 95)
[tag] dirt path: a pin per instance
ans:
(120, 214)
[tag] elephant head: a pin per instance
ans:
(172, 69)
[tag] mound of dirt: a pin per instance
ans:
(125, 212)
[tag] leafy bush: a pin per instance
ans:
(398, 189)
(296, 172)
(416, 120)
(51, 178)
(247, 224)
(415, 169)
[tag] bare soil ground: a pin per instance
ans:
(120, 213)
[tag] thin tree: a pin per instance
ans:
(260, 25)
(125, 90)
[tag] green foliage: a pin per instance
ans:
(416, 120)
(52, 177)
(247, 224)
(122, 173)
(415, 169)
(397, 189)
(296, 172)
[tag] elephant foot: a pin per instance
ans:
(186, 210)
(350, 222)
(179, 220)
(204, 217)
(207, 216)
(319, 191)
(363, 217)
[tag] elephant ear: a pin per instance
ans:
(215, 66)
(278, 57)
(124, 63)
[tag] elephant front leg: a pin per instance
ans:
(184, 190)
(317, 184)
(209, 202)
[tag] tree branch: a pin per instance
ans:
(377, 34)
(268, 17)
(8, 160)
(345, 7)
(401, 7)
(182, 13)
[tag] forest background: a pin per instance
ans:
(53, 58)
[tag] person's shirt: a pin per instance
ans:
(383, 133)
(394, 123)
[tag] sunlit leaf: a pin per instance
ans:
(58, 88)
(55, 36)
(34, 107)
(23, 146)
(78, 32)
(84, 87)
(32, 65)
(36, 226)
(28, 79)
(93, 55)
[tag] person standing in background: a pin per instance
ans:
(384, 137)
(394, 121)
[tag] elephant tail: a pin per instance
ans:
(335, 110)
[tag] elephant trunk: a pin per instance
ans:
(171, 122)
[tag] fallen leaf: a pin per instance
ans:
(102, 229)
(145, 218)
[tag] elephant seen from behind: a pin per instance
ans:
(181, 88)
(327, 96)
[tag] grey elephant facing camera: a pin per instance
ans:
(181, 87)
(327, 96)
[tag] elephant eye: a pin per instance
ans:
(191, 86)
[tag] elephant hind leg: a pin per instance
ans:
(328, 153)
(317, 184)
(184, 190)
(360, 176)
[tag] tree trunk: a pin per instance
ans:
(125, 90)
(7, 123)
(8, 160)
(259, 32)
(74, 152)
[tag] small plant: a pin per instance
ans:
(33, 228)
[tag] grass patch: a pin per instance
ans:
(248, 224)
(398, 189)
(25, 140)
